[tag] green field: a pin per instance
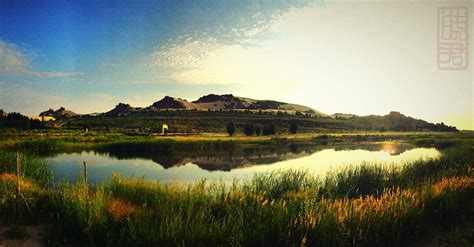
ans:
(191, 122)
(195, 122)
(80, 138)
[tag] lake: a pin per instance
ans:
(236, 162)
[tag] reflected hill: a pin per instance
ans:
(229, 156)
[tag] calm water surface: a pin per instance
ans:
(228, 166)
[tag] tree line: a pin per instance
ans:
(18, 121)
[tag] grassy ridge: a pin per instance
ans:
(368, 205)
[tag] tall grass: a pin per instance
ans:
(30, 166)
(368, 205)
(209, 214)
(373, 178)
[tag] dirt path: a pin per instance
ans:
(457, 237)
(35, 239)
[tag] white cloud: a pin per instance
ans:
(111, 64)
(184, 54)
(14, 62)
(193, 51)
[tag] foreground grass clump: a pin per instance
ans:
(367, 205)
(30, 167)
(370, 179)
(202, 214)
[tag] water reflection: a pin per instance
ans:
(227, 158)
(237, 162)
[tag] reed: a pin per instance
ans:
(31, 167)
(368, 205)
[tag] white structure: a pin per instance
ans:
(163, 128)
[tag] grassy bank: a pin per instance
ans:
(63, 140)
(368, 205)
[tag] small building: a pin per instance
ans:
(164, 129)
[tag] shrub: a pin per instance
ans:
(249, 129)
(230, 128)
(269, 130)
(293, 127)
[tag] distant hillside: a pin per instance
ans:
(120, 110)
(213, 102)
(210, 113)
(395, 121)
(171, 103)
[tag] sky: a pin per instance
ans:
(361, 57)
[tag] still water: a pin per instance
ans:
(238, 163)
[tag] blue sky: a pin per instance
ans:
(102, 46)
(335, 56)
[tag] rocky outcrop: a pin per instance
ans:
(170, 103)
(210, 98)
(61, 112)
(120, 110)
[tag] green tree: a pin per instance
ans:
(2, 118)
(293, 127)
(269, 130)
(230, 128)
(257, 130)
(248, 129)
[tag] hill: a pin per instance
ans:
(395, 121)
(120, 110)
(210, 113)
(213, 102)
(59, 113)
